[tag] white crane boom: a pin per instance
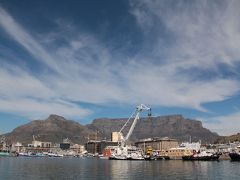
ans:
(137, 112)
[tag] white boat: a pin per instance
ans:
(117, 157)
(54, 155)
(202, 156)
(103, 157)
(127, 153)
(136, 156)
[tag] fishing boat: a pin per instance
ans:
(202, 156)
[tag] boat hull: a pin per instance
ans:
(234, 156)
(4, 154)
(126, 158)
(201, 158)
(117, 158)
(136, 159)
(154, 158)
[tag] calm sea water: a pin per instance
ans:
(21, 168)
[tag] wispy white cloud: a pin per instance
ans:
(16, 82)
(87, 71)
(223, 125)
(26, 40)
(25, 95)
(34, 108)
(204, 33)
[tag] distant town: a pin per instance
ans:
(159, 147)
(120, 146)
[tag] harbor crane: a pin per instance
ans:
(136, 113)
(123, 151)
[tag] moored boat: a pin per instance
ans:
(4, 153)
(235, 156)
(54, 155)
(136, 156)
(117, 157)
(127, 153)
(154, 158)
(202, 156)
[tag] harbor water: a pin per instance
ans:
(25, 168)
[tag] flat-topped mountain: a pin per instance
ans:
(173, 126)
(56, 128)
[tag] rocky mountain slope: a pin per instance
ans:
(56, 128)
(227, 139)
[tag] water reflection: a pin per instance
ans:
(74, 168)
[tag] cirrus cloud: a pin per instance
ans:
(84, 69)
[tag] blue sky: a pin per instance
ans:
(92, 59)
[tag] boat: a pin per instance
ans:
(40, 155)
(4, 153)
(29, 154)
(202, 156)
(185, 149)
(54, 155)
(3, 147)
(101, 156)
(127, 153)
(117, 157)
(24, 154)
(154, 158)
(136, 156)
(235, 156)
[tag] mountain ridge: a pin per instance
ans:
(55, 128)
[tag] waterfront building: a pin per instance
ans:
(97, 147)
(116, 136)
(38, 146)
(159, 144)
(17, 147)
(184, 149)
(80, 149)
(65, 146)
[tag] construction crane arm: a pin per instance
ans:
(138, 110)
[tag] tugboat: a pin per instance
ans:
(202, 156)
(235, 155)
